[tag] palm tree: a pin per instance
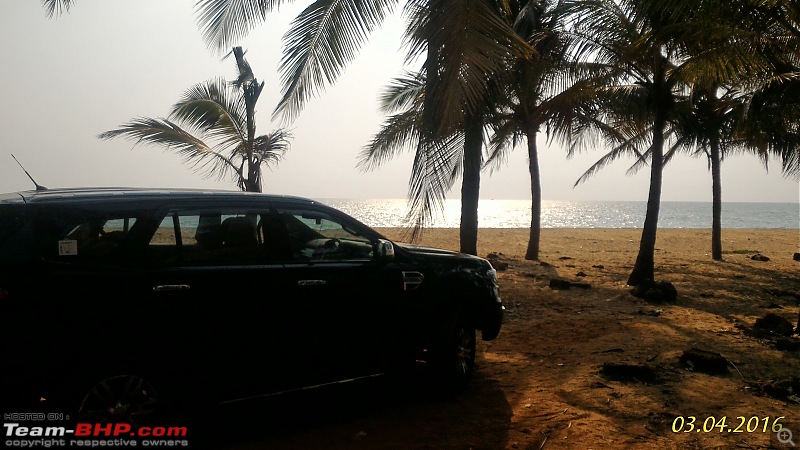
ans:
(706, 121)
(709, 128)
(442, 154)
(639, 86)
(765, 45)
(213, 128)
(534, 92)
(723, 121)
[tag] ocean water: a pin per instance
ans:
(580, 214)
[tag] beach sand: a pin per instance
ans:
(619, 246)
(600, 368)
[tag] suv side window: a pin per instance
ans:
(215, 237)
(93, 239)
(317, 236)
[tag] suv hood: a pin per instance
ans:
(425, 250)
(435, 252)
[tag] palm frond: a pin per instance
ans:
(404, 92)
(271, 147)
(54, 8)
(322, 40)
(224, 22)
(213, 108)
(608, 158)
(466, 42)
(398, 133)
(505, 136)
(437, 164)
(162, 132)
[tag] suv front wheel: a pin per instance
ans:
(452, 358)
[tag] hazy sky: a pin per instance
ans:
(68, 79)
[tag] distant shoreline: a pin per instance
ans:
(582, 214)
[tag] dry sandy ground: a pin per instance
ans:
(592, 368)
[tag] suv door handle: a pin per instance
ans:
(412, 280)
(171, 287)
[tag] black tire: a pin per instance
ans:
(122, 398)
(132, 399)
(452, 359)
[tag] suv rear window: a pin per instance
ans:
(97, 238)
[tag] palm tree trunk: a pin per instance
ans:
(532, 253)
(470, 185)
(644, 268)
(253, 183)
(250, 93)
(716, 188)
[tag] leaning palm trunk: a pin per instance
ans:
(716, 188)
(470, 186)
(644, 268)
(532, 253)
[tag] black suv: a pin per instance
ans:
(114, 301)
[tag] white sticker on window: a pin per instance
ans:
(67, 247)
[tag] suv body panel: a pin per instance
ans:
(128, 303)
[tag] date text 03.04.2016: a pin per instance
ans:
(741, 424)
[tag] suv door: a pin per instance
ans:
(350, 302)
(215, 264)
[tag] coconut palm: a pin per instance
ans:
(213, 128)
(725, 61)
(723, 121)
(534, 93)
(737, 110)
(705, 120)
(640, 85)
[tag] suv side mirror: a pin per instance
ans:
(384, 251)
